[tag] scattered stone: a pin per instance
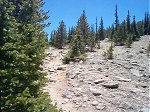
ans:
(95, 103)
(130, 56)
(136, 72)
(99, 81)
(111, 85)
(122, 79)
(141, 51)
(95, 92)
(61, 67)
(99, 69)
(52, 80)
(126, 105)
(51, 70)
(145, 110)
(136, 90)
(100, 106)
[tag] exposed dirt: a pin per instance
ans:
(98, 84)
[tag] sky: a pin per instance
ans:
(70, 10)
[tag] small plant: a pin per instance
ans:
(109, 53)
(98, 45)
(148, 49)
(129, 40)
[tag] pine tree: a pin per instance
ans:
(149, 25)
(22, 43)
(96, 33)
(129, 40)
(112, 32)
(146, 22)
(61, 36)
(134, 30)
(91, 39)
(77, 48)
(101, 30)
(83, 26)
(140, 27)
(70, 34)
(128, 23)
(116, 19)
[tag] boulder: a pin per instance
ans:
(122, 79)
(99, 81)
(95, 92)
(95, 103)
(61, 67)
(100, 106)
(111, 85)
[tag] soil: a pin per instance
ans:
(99, 84)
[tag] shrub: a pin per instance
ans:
(148, 49)
(129, 40)
(109, 53)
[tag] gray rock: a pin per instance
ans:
(95, 92)
(145, 110)
(95, 103)
(122, 79)
(100, 106)
(126, 105)
(136, 72)
(99, 81)
(99, 69)
(112, 85)
(61, 67)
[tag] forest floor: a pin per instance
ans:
(98, 84)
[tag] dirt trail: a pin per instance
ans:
(83, 89)
(57, 79)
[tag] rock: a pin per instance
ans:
(51, 70)
(126, 105)
(99, 69)
(52, 80)
(145, 110)
(73, 74)
(61, 67)
(122, 79)
(130, 56)
(112, 85)
(84, 106)
(95, 92)
(99, 81)
(95, 103)
(136, 72)
(141, 51)
(100, 106)
(136, 90)
(67, 95)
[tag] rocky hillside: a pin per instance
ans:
(98, 84)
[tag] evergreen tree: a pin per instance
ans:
(83, 26)
(129, 40)
(112, 32)
(101, 30)
(146, 22)
(70, 34)
(134, 30)
(91, 39)
(77, 48)
(96, 33)
(116, 19)
(128, 23)
(22, 43)
(61, 36)
(140, 27)
(149, 25)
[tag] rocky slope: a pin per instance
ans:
(100, 85)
